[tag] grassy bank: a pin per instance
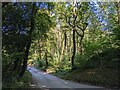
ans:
(99, 77)
(13, 83)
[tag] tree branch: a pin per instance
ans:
(80, 27)
(69, 22)
(86, 24)
(78, 33)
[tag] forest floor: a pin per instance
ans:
(45, 80)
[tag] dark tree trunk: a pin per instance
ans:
(65, 43)
(29, 41)
(74, 49)
(81, 38)
(46, 59)
(25, 59)
(74, 31)
(39, 49)
(65, 39)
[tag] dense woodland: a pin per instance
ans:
(60, 37)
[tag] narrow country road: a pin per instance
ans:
(45, 80)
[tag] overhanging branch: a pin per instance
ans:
(78, 33)
(80, 27)
(69, 22)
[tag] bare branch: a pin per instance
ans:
(78, 33)
(69, 22)
(80, 27)
(86, 24)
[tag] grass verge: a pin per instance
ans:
(12, 83)
(100, 77)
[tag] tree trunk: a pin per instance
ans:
(40, 51)
(74, 29)
(81, 43)
(29, 41)
(74, 49)
(46, 59)
(25, 59)
(65, 35)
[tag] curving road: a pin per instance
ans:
(45, 80)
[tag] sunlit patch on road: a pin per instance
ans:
(32, 85)
(44, 86)
(66, 82)
(45, 73)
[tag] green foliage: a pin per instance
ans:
(81, 61)
(116, 32)
(13, 82)
(43, 23)
(108, 58)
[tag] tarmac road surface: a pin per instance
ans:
(45, 80)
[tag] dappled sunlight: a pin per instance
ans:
(91, 72)
(66, 82)
(43, 86)
(45, 73)
(32, 85)
(50, 70)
